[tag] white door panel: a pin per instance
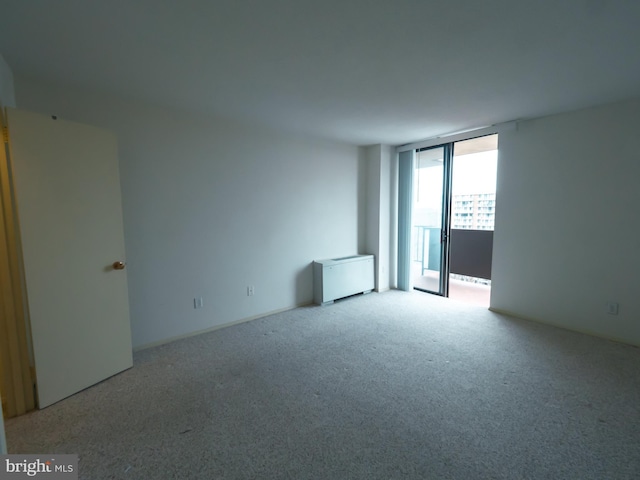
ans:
(68, 197)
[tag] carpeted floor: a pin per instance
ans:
(383, 386)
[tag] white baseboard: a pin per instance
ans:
(217, 327)
(564, 327)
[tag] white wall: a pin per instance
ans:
(372, 214)
(393, 218)
(567, 226)
(386, 153)
(378, 211)
(7, 95)
(212, 206)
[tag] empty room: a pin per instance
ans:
(237, 239)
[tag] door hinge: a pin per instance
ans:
(5, 134)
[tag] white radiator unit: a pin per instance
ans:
(336, 278)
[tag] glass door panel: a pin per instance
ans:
(473, 198)
(429, 221)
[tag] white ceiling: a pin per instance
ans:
(361, 71)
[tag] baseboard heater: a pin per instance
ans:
(337, 278)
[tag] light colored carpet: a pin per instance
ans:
(382, 386)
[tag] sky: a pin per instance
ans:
(475, 173)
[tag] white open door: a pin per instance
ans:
(67, 190)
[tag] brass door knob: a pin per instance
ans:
(119, 265)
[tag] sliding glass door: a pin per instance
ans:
(445, 218)
(430, 219)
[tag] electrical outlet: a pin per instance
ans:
(198, 302)
(251, 290)
(612, 308)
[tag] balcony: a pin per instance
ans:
(459, 290)
(470, 262)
